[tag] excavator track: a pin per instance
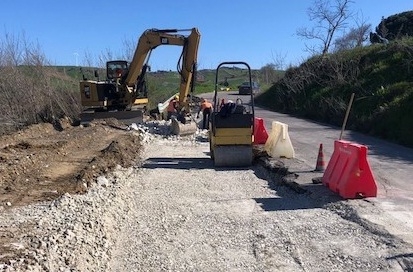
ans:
(127, 117)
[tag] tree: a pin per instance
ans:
(396, 26)
(330, 18)
(268, 71)
(104, 57)
(129, 47)
(354, 38)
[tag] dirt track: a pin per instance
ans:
(43, 162)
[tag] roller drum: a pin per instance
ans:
(233, 156)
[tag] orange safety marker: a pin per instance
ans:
(348, 172)
(260, 132)
(321, 165)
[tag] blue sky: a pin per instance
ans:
(258, 32)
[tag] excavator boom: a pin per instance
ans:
(153, 38)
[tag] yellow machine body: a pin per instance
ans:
(231, 132)
(124, 89)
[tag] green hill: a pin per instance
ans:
(380, 75)
(163, 84)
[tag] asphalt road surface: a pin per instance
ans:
(390, 163)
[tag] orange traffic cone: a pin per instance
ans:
(320, 167)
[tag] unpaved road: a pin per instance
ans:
(173, 211)
(192, 217)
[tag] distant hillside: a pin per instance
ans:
(163, 84)
(381, 76)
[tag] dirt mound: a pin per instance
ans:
(44, 161)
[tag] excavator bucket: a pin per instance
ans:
(179, 128)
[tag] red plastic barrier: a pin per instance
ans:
(348, 172)
(260, 133)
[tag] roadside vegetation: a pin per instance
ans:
(379, 74)
(31, 91)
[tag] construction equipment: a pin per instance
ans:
(123, 95)
(231, 128)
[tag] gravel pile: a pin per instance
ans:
(175, 212)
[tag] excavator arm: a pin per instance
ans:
(188, 68)
(153, 38)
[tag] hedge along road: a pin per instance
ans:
(391, 165)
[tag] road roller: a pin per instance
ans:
(231, 126)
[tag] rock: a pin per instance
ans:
(102, 181)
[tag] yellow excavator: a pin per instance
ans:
(123, 95)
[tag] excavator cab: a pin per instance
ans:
(231, 128)
(116, 69)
